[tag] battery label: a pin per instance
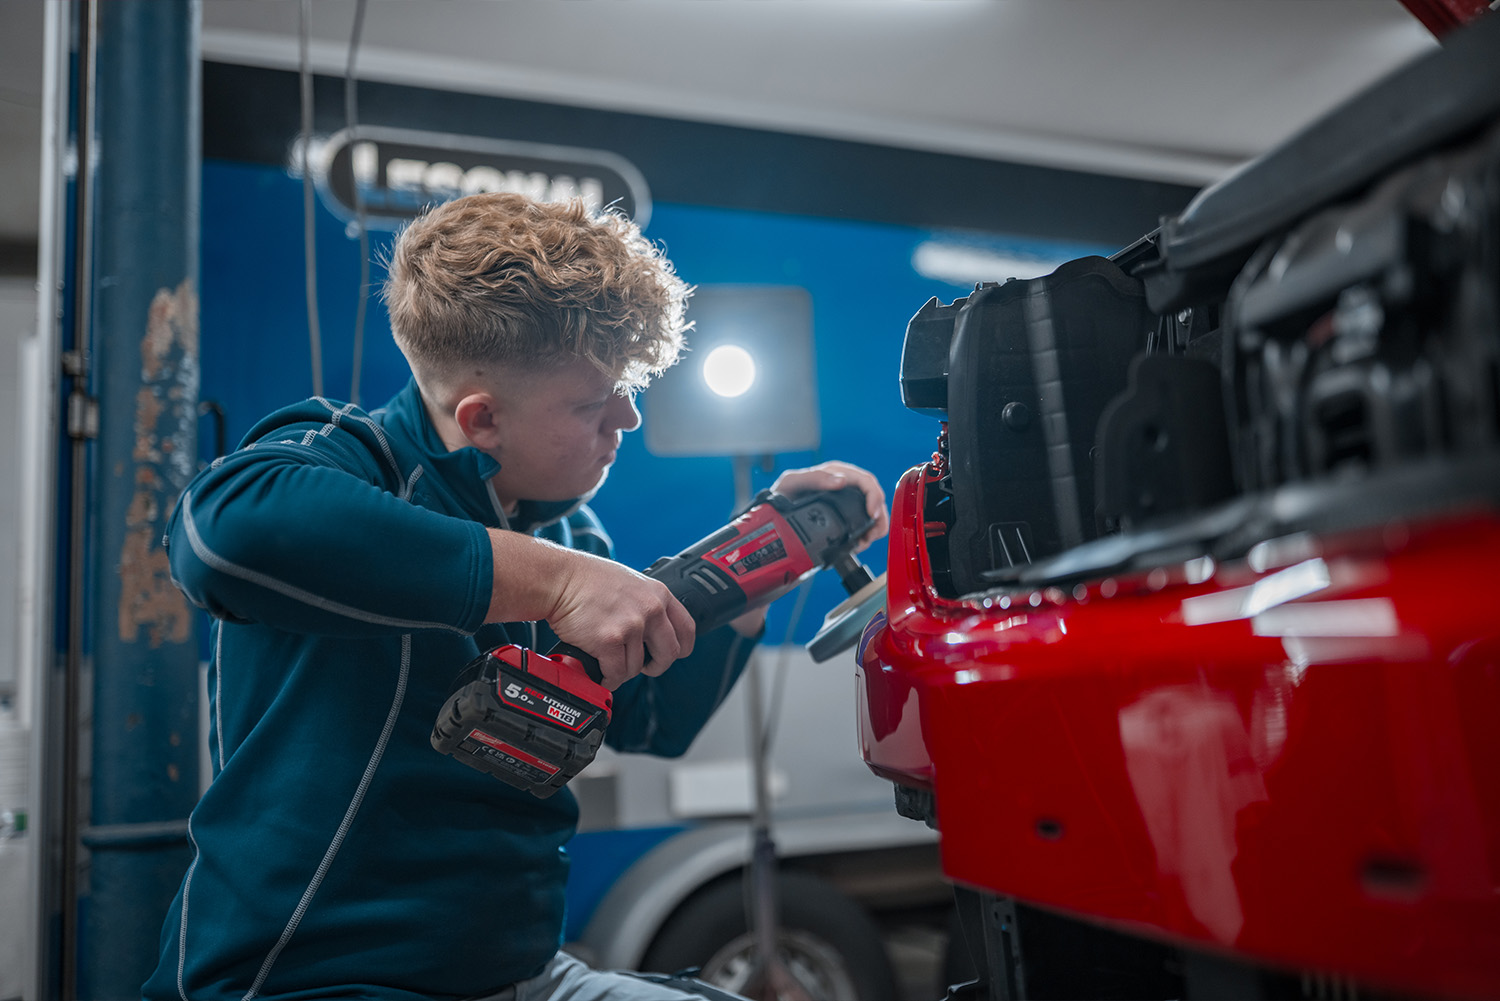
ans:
(510, 757)
(546, 706)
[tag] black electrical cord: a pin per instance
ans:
(84, 277)
(783, 660)
(309, 238)
(761, 904)
(352, 123)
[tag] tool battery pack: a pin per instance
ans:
(526, 719)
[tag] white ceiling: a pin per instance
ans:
(1168, 89)
(1176, 89)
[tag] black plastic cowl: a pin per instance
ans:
(924, 358)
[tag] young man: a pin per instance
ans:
(354, 562)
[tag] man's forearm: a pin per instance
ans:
(528, 573)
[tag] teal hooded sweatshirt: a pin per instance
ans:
(344, 559)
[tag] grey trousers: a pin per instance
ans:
(568, 979)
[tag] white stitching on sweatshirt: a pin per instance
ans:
(342, 832)
(224, 566)
(187, 888)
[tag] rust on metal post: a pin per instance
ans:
(165, 426)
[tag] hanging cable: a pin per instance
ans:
(76, 364)
(769, 970)
(309, 239)
(351, 116)
(783, 661)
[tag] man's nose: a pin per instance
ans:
(622, 414)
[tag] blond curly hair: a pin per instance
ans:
(499, 279)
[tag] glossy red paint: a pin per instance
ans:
(1295, 757)
(1442, 16)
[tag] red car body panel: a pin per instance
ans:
(1293, 757)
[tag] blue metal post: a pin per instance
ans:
(144, 286)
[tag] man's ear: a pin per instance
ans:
(478, 418)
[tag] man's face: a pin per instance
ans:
(558, 431)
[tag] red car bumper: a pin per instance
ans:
(1295, 756)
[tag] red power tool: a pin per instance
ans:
(535, 720)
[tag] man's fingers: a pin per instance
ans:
(661, 647)
(612, 666)
(882, 520)
(836, 475)
(683, 626)
(816, 478)
(669, 638)
(635, 657)
(628, 621)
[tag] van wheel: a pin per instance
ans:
(826, 942)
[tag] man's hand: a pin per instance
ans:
(599, 606)
(618, 615)
(836, 476)
(826, 476)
